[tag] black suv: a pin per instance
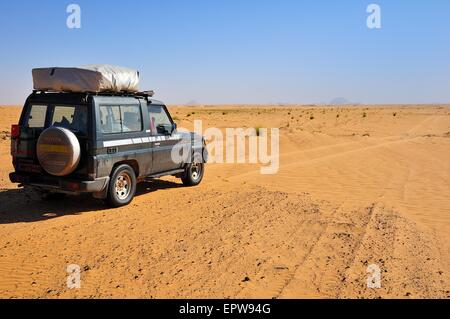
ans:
(104, 144)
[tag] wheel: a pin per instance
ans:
(194, 172)
(122, 186)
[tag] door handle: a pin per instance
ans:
(157, 144)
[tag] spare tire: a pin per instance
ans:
(58, 151)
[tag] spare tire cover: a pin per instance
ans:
(58, 151)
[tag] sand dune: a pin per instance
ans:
(357, 186)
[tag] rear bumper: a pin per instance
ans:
(60, 184)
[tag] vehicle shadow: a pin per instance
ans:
(155, 185)
(25, 205)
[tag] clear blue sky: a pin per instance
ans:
(239, 51)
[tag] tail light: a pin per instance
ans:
(15, 131)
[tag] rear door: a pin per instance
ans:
(38, 116)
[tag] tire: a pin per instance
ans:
(122, 186)
(194, 172)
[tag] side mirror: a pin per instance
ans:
(174, 127)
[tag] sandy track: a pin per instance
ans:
(338, 204)
(221, 249)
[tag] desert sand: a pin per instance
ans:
(357, 185)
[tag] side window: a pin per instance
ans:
(131, 118)
(120, 119)
(36, 118)
(110, 119)
(159, 119)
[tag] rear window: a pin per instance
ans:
(36, 117)
(73, 118)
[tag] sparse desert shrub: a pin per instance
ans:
(364, 114)
(224, 113)
(337, 115)
(311, 117)
(258, 131)
(4, 135)
(394, 114)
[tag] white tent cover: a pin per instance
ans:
(87, 78)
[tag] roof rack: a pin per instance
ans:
(145, 94)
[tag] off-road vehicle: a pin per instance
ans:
(100, 143)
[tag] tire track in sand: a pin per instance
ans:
(325, 157)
